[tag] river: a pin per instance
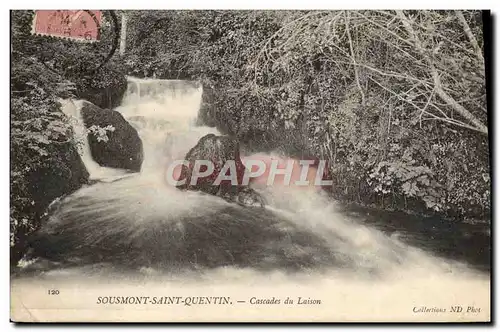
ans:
(133, 231)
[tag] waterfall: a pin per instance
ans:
(139, 227)
(163, 112)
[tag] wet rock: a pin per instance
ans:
(123, 148)
(64, 173)
(207, 108)
(219, 150)
(250, 197)
(61, 173)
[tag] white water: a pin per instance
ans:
(96, 172)
(164, 114)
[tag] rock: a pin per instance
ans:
(219, 150)
(62, 173)
(124, 146)
(105, 89)
(206, 114)
(249, 197)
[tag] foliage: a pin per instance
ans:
(101, 133)
(44, 159)
(35, 124)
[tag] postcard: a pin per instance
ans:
(250, 166)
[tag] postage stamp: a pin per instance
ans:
(78, 25)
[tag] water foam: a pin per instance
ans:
(164, 114)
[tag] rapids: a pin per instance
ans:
(136, 228)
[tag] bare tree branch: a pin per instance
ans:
(356, 74)
(437, 82)
(425, 107)
(423, 111)
(471, 37)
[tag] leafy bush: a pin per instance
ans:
(44, 159)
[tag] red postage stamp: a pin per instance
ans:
(79, 25)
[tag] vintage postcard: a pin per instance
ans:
(250, 166)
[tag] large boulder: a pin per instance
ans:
(123, 148)
(104, 89)
(58, 174)
(63, 174)
(219, 150)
